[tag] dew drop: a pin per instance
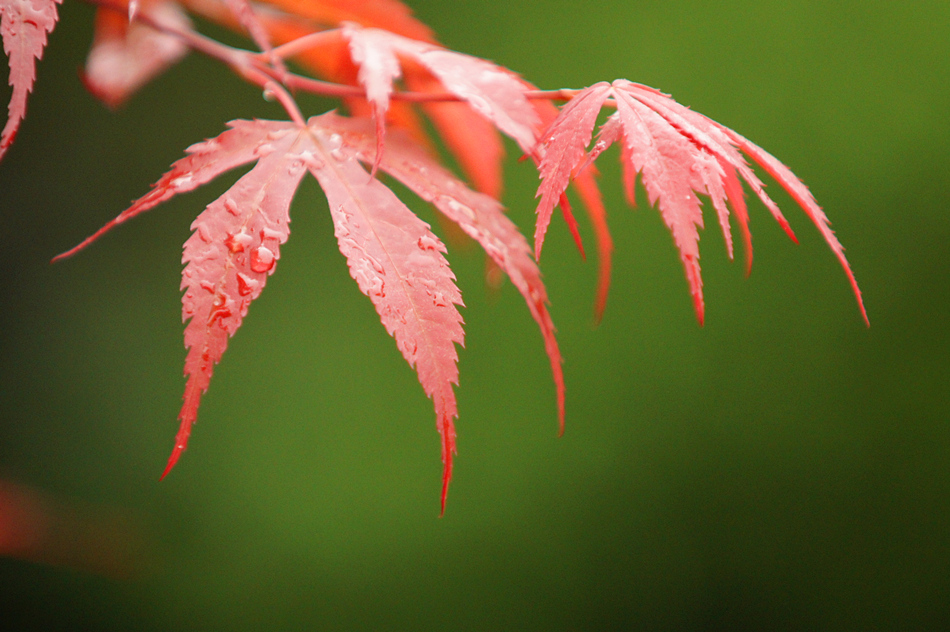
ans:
(238, 242)
(203, 235)
(428, 243)
(457, 207)
(480, 104)
(270, 233)
(246, 284)
(262, 259)
(264, 150)
(208, 286)
(181, 181)
(221, 310)
(310, 160)
(231, 206)
(375, 263)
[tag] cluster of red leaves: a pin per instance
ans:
(390, 71)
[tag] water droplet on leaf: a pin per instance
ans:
(270, 233)
(246, 284)
(202, 232)
(181, 181)
(262, 259)
(221, 310)
(428, 243)
(238, 242)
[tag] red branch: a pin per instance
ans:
(264, 69)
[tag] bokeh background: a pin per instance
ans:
(782, 468)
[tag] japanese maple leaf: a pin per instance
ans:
(393, 256)
(678, 154)
(480, 216)
(24, 25)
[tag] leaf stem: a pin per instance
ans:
(266, 70)
(299, 45)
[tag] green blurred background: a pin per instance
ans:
(782, 468)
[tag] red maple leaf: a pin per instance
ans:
(393, 256)
(678, 153)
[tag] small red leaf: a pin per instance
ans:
(800, 193)
(678, 154)
(378, 69)
(480, 216)
(125, 56)
(473, 141)
(565, 143)
(243, 143)
(707, 134)
(24, 25)
(248, 18)
(235, 244)
(665, 160)
(590, 195)
(736, 196)
(492, 91)
(397, 262)
(587, 189)
(234, 248)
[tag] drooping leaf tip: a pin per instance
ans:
(446, 477)
(172, 460)
(88, 240)
(7, 142)
(858, 297)
(560, 409)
